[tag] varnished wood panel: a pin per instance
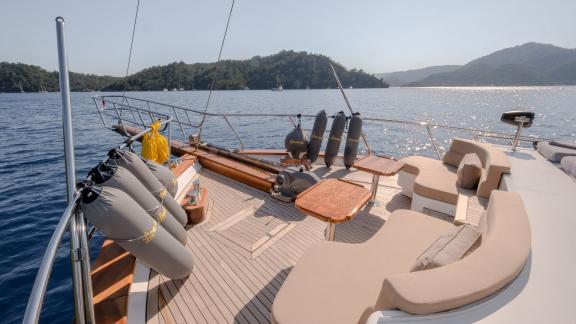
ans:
(187, 161)
(333, 200)
(378, 165)
(112, 274)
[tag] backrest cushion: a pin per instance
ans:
(460, 147)
(448, 248)
(494, 162)
(469, 171)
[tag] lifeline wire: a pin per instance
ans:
(131, 45)
(215, 71)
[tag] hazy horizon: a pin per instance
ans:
(371, 35)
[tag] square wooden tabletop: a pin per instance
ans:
(333, 200)
(378, 165)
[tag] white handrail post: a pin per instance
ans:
(78, 244)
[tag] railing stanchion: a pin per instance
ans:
(235, 133)
(86, 269)
(169, 142)
(180, 124)
(141, 119)
(433, 141)
(120, 122)
(80, 266)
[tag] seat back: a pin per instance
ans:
(494, 162)
(502, 254)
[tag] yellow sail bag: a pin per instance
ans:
(154, 145)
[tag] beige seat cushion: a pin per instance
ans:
(413, 164)
(340, 283)
(469, 171)
(448, 248)
(501, 256)
(434, 179)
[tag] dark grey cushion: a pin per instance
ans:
(554, 153)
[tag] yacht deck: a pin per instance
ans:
(248, 245)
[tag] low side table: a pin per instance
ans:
(333, 201)
(378, 166)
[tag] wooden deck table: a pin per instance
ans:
(378, 166)
(333, 201)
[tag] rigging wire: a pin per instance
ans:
(215, 71)
(131, 46)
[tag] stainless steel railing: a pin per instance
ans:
(127, 109)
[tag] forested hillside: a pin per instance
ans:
(292, 70)
(34, 78)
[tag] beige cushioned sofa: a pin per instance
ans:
(344, 283)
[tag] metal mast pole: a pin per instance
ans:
(78, 248)
(349, 106)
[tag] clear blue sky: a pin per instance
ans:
(377, 36)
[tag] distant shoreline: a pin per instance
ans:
(520, 87)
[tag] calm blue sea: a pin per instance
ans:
(32, 183)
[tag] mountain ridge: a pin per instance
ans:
(529, 64)
(399, 78)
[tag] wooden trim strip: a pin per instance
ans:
(111, 280)
(271, 240)
(230, 221)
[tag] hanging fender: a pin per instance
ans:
(335, 137)
(295, 142)
(352, 140)
(317, 136)
(164, 175)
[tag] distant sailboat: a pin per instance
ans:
(279, 86)
(20, 85)
(42, 89)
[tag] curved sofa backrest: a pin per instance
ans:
(494, 162)
(503, 252)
